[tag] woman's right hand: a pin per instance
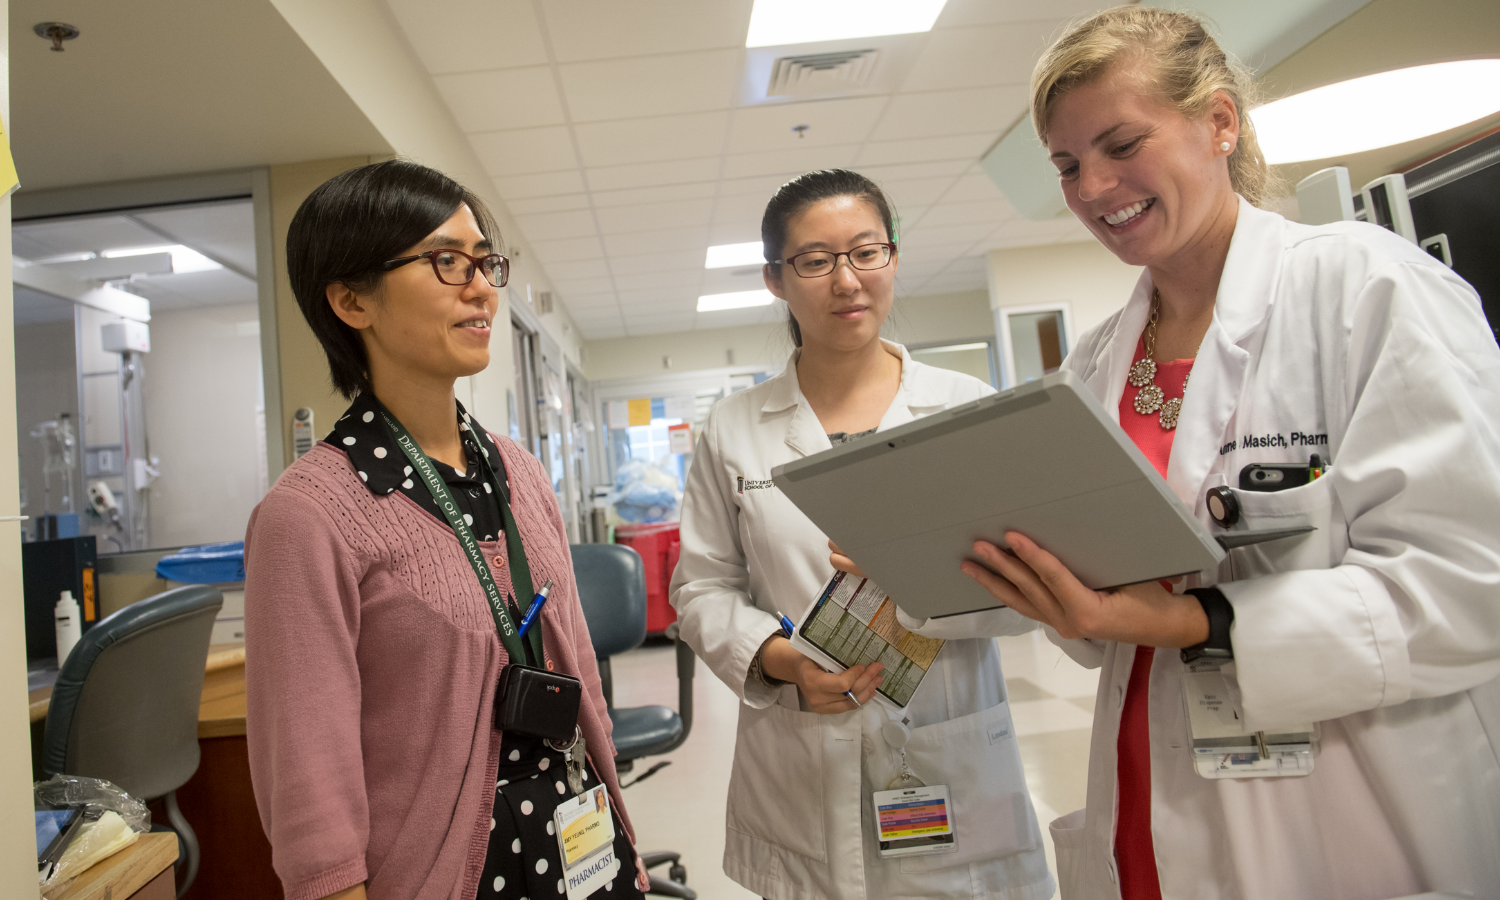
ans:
(824, 691)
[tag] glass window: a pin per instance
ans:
(971, 358)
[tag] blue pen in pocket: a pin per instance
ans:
(536, 607)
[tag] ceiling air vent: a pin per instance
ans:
(822, 72)
(544, 303)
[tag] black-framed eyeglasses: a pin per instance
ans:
(865, 257)
(456, 267)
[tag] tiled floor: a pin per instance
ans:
(682, 807)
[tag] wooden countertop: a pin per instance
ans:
(126, 872)
(221, 712)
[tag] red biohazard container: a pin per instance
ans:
(659, 545)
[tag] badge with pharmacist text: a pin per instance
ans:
(586, 840)
(915, 820)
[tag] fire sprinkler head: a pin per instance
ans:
(56, 32)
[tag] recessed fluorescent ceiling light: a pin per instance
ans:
(736, 300)
(184, 259)
(777, 22)
(1378, 110)
(725, 255)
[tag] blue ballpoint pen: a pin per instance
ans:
(536, 607)
(787, 629)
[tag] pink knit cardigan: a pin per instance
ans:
(370, 664)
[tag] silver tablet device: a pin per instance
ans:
(1043, 459)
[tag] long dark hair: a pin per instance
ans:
(800, 193)
(345, 231)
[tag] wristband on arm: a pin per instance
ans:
(1220, 617)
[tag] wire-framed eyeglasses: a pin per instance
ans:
(456, 267)
(865, 257)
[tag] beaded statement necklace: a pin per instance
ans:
(1150, 398)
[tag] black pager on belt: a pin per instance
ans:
(537, 702)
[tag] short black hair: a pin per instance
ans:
(805, 190)
(344, 232)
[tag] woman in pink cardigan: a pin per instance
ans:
(374, 615)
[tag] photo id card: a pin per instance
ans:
(915, 820)
(586, 839)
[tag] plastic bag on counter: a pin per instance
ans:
(111, 821)
(646, 492)
(66, 791)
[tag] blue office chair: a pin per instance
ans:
(125, 706)
(612, 587)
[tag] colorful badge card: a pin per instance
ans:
(586, 839)
(915, 820)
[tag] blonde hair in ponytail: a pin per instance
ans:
(1178, 58)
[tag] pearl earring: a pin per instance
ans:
(1224, 146)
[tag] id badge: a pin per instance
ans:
(915, 821)
(586, 841)
(1223, 748)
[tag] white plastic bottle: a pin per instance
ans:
(69, 628)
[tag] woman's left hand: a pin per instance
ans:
(642, 877)
(1037, 585)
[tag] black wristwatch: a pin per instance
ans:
(1220, 616)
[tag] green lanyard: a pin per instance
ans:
(520, 571)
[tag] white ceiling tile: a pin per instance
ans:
(742, 232)
(578, 268)
(979, 56)
(681, 171)
(974, 186)
(559, 203)
(589, 29)
(569, 287)
(525, 150)
(557, 225)
(539, 185)
(908, 217)
(684, 279)
(654, 216)
(651, 85)
(601, 332)
(553, 252)
(830, 122)
(431, 32)
(726, 281)
(913, 193)
(638, 263)
(502, 98)
(791, 161)
(659, 324)
(990, 110)
(774, 313)
(762, 186)
(590, 302)
(656, 194)
(967, 147)
(985, 212)
(1025, 233)
(655, 301)
(600, 323)
(955, 239)
(627, 141)
(656, 241)
(966, 13)
(741, 208)
(908, 171)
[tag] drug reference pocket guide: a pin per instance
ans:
(853, 623)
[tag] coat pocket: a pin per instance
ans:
(1068, 840)
(1312, 504)
(977, 757)
(776, 783)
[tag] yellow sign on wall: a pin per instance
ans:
(640, 411)
(9, 180)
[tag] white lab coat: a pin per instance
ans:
(1383, 625)
(800, 813)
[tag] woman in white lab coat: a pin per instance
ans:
(800, 812)
(1383, 625)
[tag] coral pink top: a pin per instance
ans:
(1134, 849)
(371, 663)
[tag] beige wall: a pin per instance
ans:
(914, 320)
(17, 828)
(302, 365)
(1085, 275)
